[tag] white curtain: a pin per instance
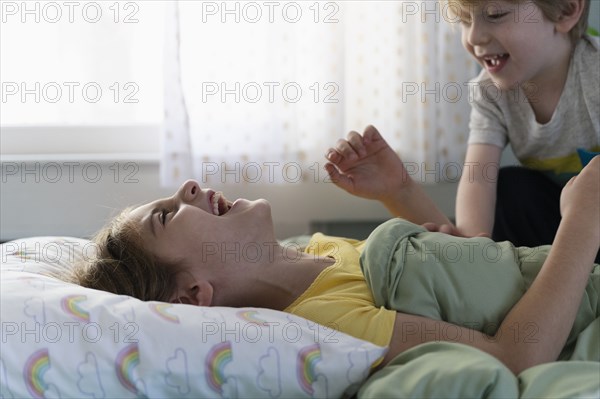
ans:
(257, 94)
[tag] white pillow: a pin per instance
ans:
(60, 339)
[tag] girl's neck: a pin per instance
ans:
(275, 284)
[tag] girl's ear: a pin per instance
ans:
(200, 293)
(571, 17)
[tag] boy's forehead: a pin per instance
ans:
(465, 8)
(466, 5)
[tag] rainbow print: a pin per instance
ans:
(219, 356)
(33, 373)
(162, 310)
(70, 305)
(250, 316)
(306, 367)
(127, 360)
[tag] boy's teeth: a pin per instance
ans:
(494, 60)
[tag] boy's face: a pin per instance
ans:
(514, 42)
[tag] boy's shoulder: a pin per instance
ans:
(587, 50)
(589, 43)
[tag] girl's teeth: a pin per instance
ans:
(220, 205)
(215, 203)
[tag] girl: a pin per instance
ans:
(198, 248)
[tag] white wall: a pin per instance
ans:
(595, 14)
(73, 205)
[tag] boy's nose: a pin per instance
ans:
(477, 34)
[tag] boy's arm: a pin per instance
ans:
(550, 305)
(476, 196)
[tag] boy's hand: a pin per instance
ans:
(450, 229)
(367, 166)
(580, 198)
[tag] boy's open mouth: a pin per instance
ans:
(495, 61)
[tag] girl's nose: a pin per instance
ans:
(188, 191)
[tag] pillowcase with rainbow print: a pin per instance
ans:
(63, 340)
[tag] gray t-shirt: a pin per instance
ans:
(502, 117)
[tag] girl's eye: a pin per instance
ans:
(497, 16)
(163, 216)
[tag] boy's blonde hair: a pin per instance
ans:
(552, 10)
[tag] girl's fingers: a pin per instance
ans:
(333, 156)
(337, 178)
(345, 149)
(356, 141)
(371, 134)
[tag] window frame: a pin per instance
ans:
(72, 142)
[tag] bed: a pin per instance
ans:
(62, 340)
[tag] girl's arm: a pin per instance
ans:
(552, 301)
(366, 166)
(476, 196)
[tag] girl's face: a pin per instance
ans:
(514, 42)
(194, 227)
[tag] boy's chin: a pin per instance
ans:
(505, 85)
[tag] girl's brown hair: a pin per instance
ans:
(122, 265)
(552, 10)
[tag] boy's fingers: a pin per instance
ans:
(430, 226)
(448, 229)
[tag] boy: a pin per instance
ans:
(538, 90)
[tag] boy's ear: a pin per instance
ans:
(200, 293)
(568, 19)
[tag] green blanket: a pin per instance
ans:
(474, 283)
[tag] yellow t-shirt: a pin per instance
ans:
(339, 297)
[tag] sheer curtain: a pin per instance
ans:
(257, 93)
